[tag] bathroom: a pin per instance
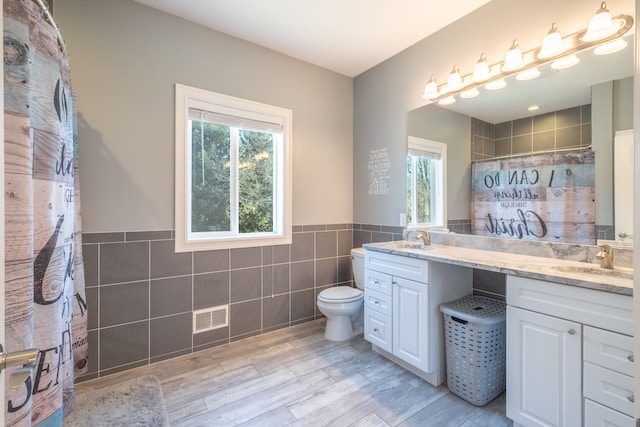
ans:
(126, 59)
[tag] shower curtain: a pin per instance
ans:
(45, 300)
(545, 197)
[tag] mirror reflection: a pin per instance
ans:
(577, 108)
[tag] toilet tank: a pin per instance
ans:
(357, 266)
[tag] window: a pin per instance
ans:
(426, 183)
(233, 172)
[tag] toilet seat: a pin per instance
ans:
(340, 294)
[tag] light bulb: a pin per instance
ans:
(446, 101)
(513, 60)
(481, 70)
(600, 25)
(552, 43)
(529, 74)
(455, 81)
(470, 93)
(431, 89)
(496, 84)
(611, 47)
(566, 62)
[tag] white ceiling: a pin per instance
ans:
(345, 36)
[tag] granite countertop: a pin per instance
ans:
(573, 273)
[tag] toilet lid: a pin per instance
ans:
(341, 294)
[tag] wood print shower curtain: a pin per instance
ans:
(44, 284)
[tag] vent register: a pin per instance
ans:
(210, 318)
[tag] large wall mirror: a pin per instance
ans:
(599, 87)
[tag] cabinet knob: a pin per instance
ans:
(631, 398)
(630, 358)
(375, 330)
(376, 302)
(375, 282)
(571, 331)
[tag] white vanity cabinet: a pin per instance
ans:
(401, 309)
(569, 355)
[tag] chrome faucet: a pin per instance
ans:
(425, 236)
(606, 257)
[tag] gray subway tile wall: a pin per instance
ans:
(137, 316)
(141, 294)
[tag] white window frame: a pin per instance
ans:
(190, 97)
(438, 149)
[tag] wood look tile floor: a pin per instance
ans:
(294, 377)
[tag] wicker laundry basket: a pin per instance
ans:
(475, 346)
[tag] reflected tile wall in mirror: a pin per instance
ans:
(559, 130)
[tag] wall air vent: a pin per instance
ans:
(210, 318)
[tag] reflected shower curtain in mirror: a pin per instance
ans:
(44, 276)
(545, 197)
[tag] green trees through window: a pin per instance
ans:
(426, 183)
(419, 187)
(219, 153)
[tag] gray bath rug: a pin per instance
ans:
(137, 402)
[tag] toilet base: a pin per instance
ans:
(338, 328)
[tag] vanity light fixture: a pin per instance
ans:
(446, 101)
(481, 71)
(496, 84)
(600, 26)
(454, 82)
(431, 89)
(611, 47)
(565, 62)
(471, 93)
(551, 44)
(603, 35)
(513, 60)
(528, 74)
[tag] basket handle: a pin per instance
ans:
(457, 319)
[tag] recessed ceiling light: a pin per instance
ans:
(533, 108)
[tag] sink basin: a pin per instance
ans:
(623, 273)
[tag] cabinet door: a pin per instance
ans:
(411, 322)
(543, 369)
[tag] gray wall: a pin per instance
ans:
(126, 59)
(623, 104)
(384, 94)
(453, 129)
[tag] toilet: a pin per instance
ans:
(342, 305)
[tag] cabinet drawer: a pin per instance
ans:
(609, 350)
(396, 265)
(605, 310)
(608, 388)
(376, 281)
(378, 329)
(596, 415)
(378, 302)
